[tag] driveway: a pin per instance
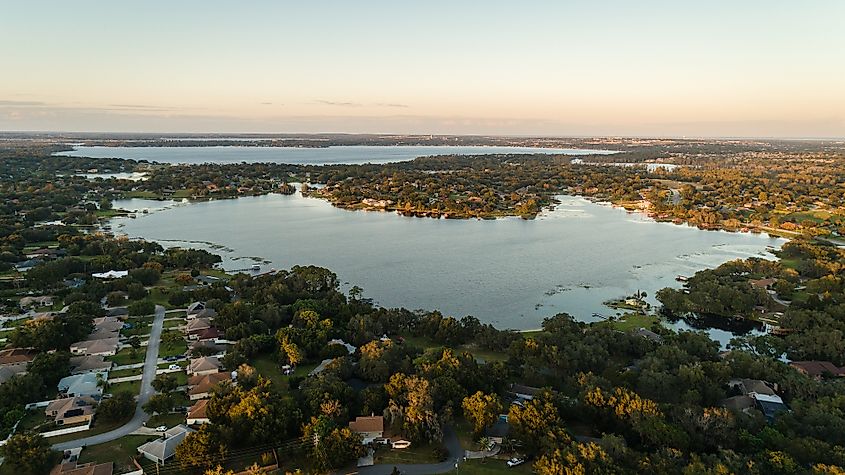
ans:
(456, 455)
(140, 417)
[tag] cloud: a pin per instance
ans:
(392, 104)
(338, 104)
(7, 103)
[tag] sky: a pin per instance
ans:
(773, 68)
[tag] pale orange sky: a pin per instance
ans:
(770, 68)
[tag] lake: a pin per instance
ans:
(508, 272)
(303, 156)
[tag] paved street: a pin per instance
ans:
(147, 390)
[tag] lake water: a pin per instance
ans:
(304, 156)
(509, 272)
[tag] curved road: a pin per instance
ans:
(140, 417)
(456, 455)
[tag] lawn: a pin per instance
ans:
(267, 366)
(631, 321)
(124, 357)
(99, 427)
(168, 420)
(36, 421)
(174, 323)
(149, 195)
(120, 451)
(133, 387)
(413, 454)
(122, 373)
(480, 354)
(175, 348)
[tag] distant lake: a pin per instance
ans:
(509, 272)
(303, 156)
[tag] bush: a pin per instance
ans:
(143, 307)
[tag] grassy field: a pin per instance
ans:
(413, 454)
(267, 366)
(168, 420)
(120, 451)
(100, 426)
(631, 321)
(122, 373)
(490, 467)
(133, 387)
(124, 357)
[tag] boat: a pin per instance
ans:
(682, 278)
(256, 267)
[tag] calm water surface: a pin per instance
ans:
(508, 272)
(304, 156)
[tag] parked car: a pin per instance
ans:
(170, 358)
(515, 461)
(161, 428)
(174, 366)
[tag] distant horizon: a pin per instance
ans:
(164, 134)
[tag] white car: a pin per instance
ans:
(161, 428)
(515, 461)
(174, 366)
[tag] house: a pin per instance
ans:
(83, 385)
(206, 345)
(209, 334)
(526, 393)
(741, 403)
(71, 410)
(194, 309)
(349, 348)
(201, 385)
(499, 431)
(197, 414)
(90, 468)
(89, 364)
(762, 283)
(209, 313)
(112, 274)
(163, 449)
(103, 334)
(648, 334)
(369, 427)
(26, 265)
(108, 323)
(207, 279)
(104, 347)
(763, 394)
(14, 356)
(8, 372)
(197, 326)
(204, 365)
(42, 301)
(818, 369)
(321, 367)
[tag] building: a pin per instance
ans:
(83, 385)
(763, 394)
(201, 385)
(204, 365)
(194, 309)
(14, 356)
(104, 347)
(71, 410)
(818, 369)
(89, 364)
(163, 449)
(42, 301)
(8, 372)
(349, 348)
(523, 392)
(369, 427)
(197, 414)
(499, 431)
(112, 274)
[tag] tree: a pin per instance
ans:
(118, 408)
(201, 449)
(30, 454)
(482, 410)
(159, 404)
(332, 446)
(165, 383)
(141, 308)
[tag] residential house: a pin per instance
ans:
(83, 385)
(321, 367)
(112, 274)
(209, 334)
(818, 369)
(89, 364)
(15, 356)
(499, 431)
(204, 365)
(197, 326)
(104, 347)
(194, 309)
(523, 392)
(71, 410)
(8, 372)
(349, 348)
(90, 468)
(197, 414)
(368, 427)
(163, 449)
(763, 394)
(42, 301)
(201, 385)
(648, 334)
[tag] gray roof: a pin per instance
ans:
(164, 448)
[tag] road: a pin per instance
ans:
(456, 454)
(140, 417)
